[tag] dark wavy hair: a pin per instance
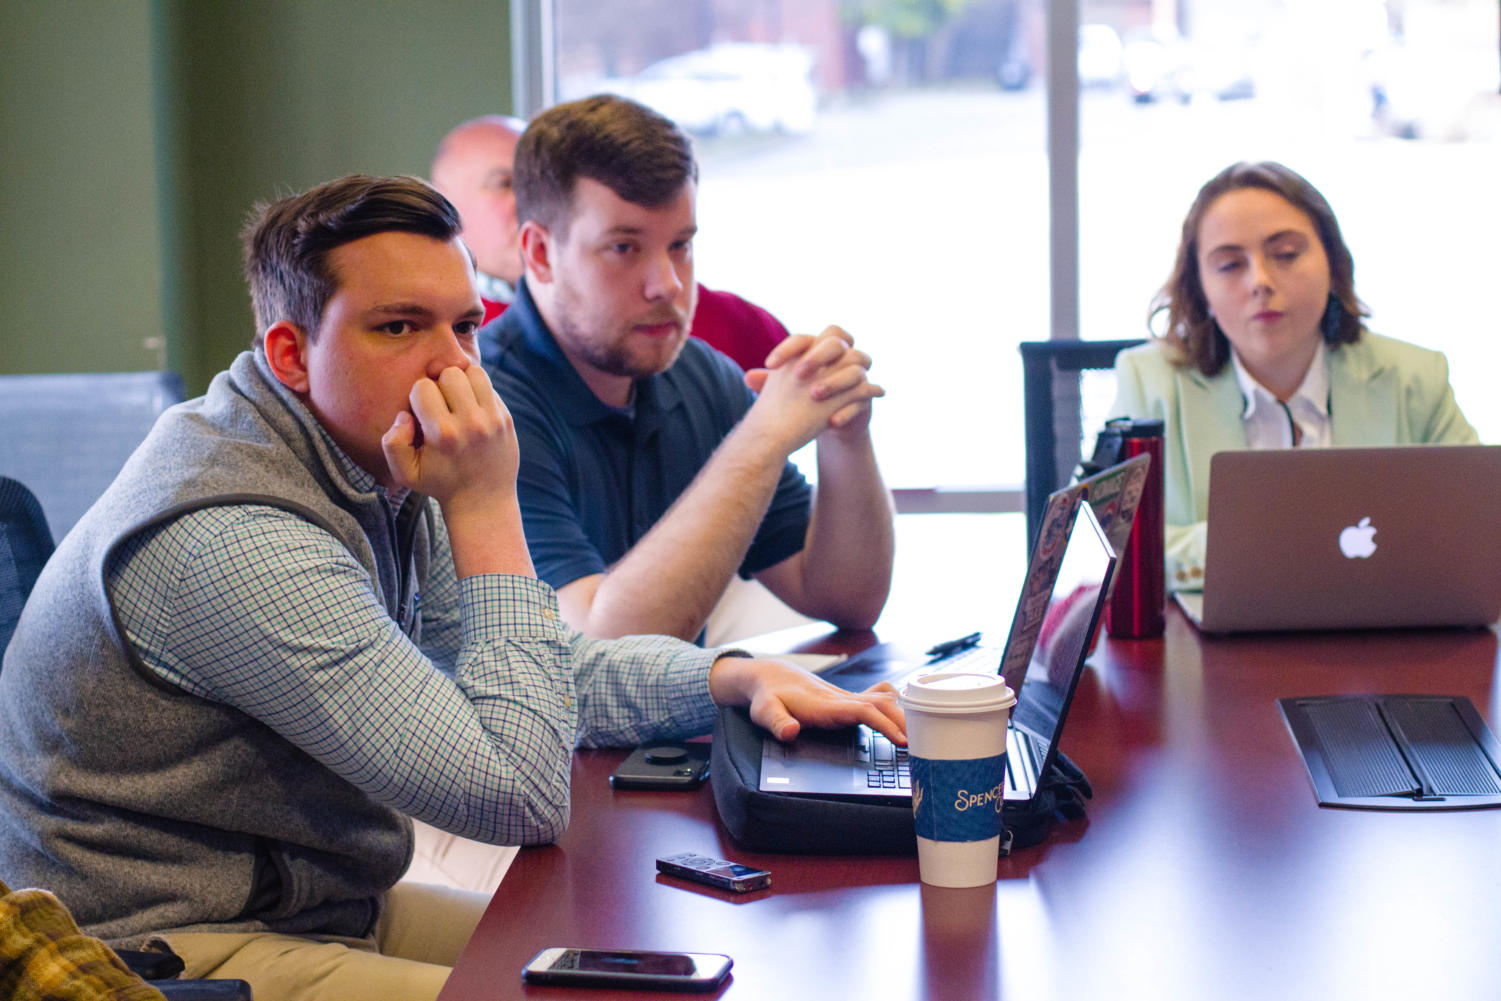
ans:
(638, 154)
(1191, 336)
(287, 243)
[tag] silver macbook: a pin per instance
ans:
(1057, 616)
(1351, 538)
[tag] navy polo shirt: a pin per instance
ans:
(594, 478)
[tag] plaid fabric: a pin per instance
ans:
(44, 957)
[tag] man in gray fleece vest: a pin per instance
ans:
(304, 613)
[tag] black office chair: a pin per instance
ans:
(25, 545)
(1051, 372)
(68, 435)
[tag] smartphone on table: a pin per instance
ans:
(664, 764)
(630, 968)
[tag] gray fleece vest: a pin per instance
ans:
(147, 809)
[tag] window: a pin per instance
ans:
(1390, 109)
(868, 165)
(883, 164)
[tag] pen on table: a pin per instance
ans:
(952, 646)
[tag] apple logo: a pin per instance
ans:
(1358, 541)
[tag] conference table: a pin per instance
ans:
(1205, 868)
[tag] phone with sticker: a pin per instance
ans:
(663, 764)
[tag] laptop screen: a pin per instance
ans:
(1066, 625)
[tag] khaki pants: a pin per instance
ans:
(421, 932)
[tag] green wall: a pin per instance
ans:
(80, 230)
(138, 134)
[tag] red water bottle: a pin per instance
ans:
(1136, 605)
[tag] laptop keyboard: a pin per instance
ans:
(886, 764)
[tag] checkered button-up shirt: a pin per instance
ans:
(473, 731)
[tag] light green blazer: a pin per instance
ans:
(1381, 392)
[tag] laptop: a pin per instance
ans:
(1057, 617)
(1351, 538)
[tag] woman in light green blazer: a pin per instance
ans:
(1264, 347)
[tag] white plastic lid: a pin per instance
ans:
(958, 691)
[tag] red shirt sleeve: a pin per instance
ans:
(740, 329)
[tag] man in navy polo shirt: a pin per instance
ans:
(652, 469)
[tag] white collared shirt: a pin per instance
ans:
(1269, 422)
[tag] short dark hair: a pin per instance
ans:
(638, 154)
(1191, 335)
(287, 243)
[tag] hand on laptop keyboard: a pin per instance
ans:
(783, 698)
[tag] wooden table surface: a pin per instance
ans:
(1205, 869)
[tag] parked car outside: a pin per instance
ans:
(1099, 56)
(1432, 93)
(729, 87)
(1157, 65)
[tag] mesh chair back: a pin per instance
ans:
(68, 435)
(1051, 372)
(25, 544)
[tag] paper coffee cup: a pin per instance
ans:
(956, 753)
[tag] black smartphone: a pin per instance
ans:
(715, 872)
(671, 971)
(663, 764)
